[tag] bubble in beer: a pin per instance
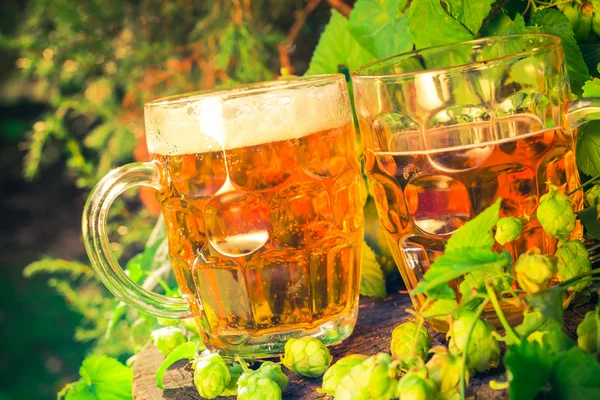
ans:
(229, 300)
(514, 183)
(347, 213)
(279, 288)
(389, 197)
(301, 213)
(331, 258)
(237, 223)
(438, 204)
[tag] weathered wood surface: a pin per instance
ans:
(372, 334)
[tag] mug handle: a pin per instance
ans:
(98, 249)
(581, 111)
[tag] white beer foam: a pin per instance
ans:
(229, 119)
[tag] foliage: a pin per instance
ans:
(95, 66)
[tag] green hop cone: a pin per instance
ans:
(254, 385)
(573, 259)
(415, 386)
(307, 357)
(587, 332)
(337, 371)
(444, 370)
(235, 371)
(508, 229)
(274, 372)
(374, 378)
(534, 270)
(403, 338)
(211, 376)
(592, 196)
(556, 214)
(168, 338)
(483, 352)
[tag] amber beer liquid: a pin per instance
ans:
(423, 196)
(267, 236)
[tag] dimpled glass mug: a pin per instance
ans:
(260, 190)
(448, 130)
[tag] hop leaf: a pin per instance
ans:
(102, 378)
(372, 281)
(573, 259)
(483, 351)
(306, 356)
(588, 332)
(403, 337)
(337, 371)
(235, 371)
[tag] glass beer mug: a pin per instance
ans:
(260, 190)
(448, 130)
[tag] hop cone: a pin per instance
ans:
(534, 270)
(211, 376)
(415, 386)
(337, 371)
(403, 338)
(587, 333)
(254, 385)
(274, 372)
(573, 259)
(444, 370)
(373, 379)
(592, 196)
(556, 215)
(235, 371)
(168, 338)
(483, 350)
(307, 357)
(508, 229)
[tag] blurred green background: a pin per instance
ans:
(73, 79)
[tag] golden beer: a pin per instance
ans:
(262, 200)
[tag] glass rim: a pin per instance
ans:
(553, 41)
(248, 89)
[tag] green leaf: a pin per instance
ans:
(187, 350)
(501, 25)
(337, 46)
(381, 27)
(372, 281)
(454, 264)
(549, 303)
(587, 152)
(477, 232)
(470, 13)
(441, 307)
(588, 332)
(102, 378)
(575, 376)
(554, 22)
(589, 219)
(528, 367)
(430, 25)
(591, 88)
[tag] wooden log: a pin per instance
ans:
(372, 334)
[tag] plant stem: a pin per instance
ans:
(463, 368)
(494, 299)
(566, 283)
(584, 184)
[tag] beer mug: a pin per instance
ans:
(448, 130)
(261, 193)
